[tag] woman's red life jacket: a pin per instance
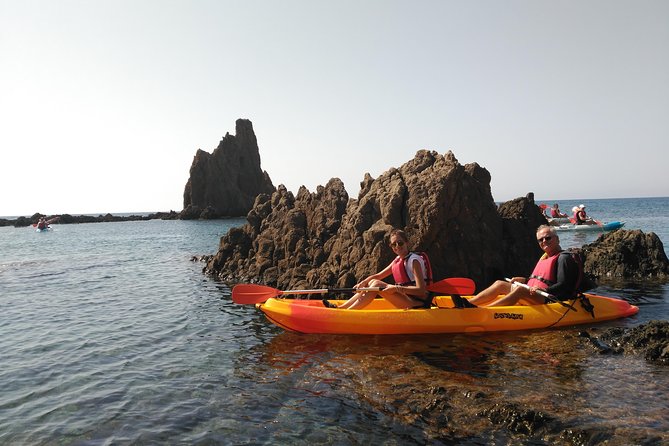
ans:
(400, 270)
(545, 273)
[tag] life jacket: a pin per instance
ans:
(579, 217)
(545, 273)
(402, 276)
(41, 225)
(555, 213)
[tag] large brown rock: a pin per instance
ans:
(326, 239)
(627, 254)
(226, 182)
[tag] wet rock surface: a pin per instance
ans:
(650, 340)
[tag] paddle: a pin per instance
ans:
(255, 294)
(49, 221)
(453, 285)
(544, 294)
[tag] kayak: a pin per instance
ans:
(380, 317)
(48, 228)
(604, 227)
(556, 221)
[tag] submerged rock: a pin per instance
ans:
(651, 340)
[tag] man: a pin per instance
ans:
(554, 273)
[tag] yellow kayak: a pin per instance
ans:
(380, 317)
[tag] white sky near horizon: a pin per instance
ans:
(104, 103)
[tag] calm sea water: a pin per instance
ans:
(110, 334)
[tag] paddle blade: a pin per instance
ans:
(454, 285)
(253, 294)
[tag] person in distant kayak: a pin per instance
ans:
(555, 212)
(554, 273)
(581, 218)
(411, 275)
(42, 224)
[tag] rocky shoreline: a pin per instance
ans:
(22, 222)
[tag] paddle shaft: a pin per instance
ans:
(330, 290)
(542, 293)
(254, 294)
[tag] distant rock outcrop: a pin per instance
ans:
(226, 182)
(326, 239)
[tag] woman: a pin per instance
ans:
(409, 272)
(555, 212)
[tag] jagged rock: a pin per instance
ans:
(627, 254)
(519, 420)
(226, 182)
(326, 239)
(650, 340)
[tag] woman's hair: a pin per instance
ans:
(399, 233)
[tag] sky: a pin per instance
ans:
(104, 103)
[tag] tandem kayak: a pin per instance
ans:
(603, 227)
(47, 229)
(556, 221)
(380, 317)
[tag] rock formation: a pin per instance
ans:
(226, 182)
(628, 254)
(326, 239)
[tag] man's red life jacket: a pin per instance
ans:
(545, 272)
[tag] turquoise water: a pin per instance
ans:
(110, 334)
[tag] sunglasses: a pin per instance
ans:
(548, 238)
(397, 243)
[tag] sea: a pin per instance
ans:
(110, 334)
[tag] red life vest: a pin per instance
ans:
(545, 273)
(400, 270)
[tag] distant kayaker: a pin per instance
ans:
(580, 217)
(410, 272)
(42, 224)
(555, 212)
(554, 273)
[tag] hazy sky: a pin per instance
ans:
(103, 104)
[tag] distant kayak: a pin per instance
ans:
(47, 229)
(603, 227)
(556, 221)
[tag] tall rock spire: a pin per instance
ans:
(226, 182)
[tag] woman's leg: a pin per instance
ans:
(361, 300)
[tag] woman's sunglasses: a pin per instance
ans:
(397, 243)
